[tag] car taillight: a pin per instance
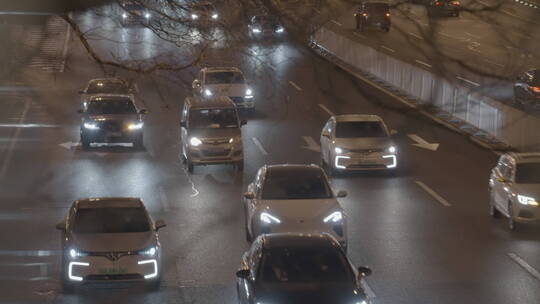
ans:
(438, 3)
(364, 14)
(535, 89)
(387, 14)
(456, 3)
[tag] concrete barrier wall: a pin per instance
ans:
(511, 126)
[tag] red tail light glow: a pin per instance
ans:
(535, 89)
(364, 14)
(456, 3)
(387, 14)
(438, 3)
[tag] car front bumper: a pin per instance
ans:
(526, 213)
(103, 136)
(338, 230)
(212, 154)
(358, 162)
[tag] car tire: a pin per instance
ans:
(67, 286)
(138, 144)
(493, 211)
(85, 143)
(511, 221)
(190, 166)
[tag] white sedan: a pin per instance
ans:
(293, 198)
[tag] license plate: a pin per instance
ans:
(115, 134)
(364, 161)
(112, 270)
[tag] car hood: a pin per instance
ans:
(532, 190)
(215, 133)
(300, 209)
(113, 117)
(363, 143)
(337, 293)
(106, 242)
(233, 90)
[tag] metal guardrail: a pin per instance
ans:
(504, 123)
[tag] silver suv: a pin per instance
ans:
(514, 188)
(211, 132)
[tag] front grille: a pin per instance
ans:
(216, 153)
(367, 151)
(113, 256)
(219, 141)
(113, 277)
(114, 126)
(237, 99)
(370, 166)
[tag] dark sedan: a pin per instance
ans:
(264, 25)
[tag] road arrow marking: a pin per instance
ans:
(434, 194)
(311, 144)
(70, 145)
(421, 143)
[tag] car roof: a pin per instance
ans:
(375, 2)
(221, 69)
(290, 239)
(526, 157)
(357, 117)
(218, 102)
(293, 167)
(109, 202)
(110, 97)
(110, 79)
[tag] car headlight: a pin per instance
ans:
(207, 92)
(527, 200)
(249, 93)
(124, 15)
(256, 30)
(150, 251)
(231, 140)
(392, 149)
(147, 15)
(334, 217)
(215, 16)
(269, 219)
(361, 302)
(135, 126)
(91, 125)
(76, 253)
(194, 141)
(194, 16)
(339, 150)
(280, 29)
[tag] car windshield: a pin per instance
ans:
(110, 220)
(224, 77)
(105, 107)
(266, 20)
(107, 87)
(289, 265)
(203, 7)
(286, 184)
(353, 129)
(213, 119)
(377, 7)
(528, 173)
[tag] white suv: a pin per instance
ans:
(514, 188)
(357, 142)
(225, 81)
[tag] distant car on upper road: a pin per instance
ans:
(109, 240)
(225, 81)
(202, 12)
(293, 198)
(111, 118)
(265, 25)
(444, 8)
(357, 142)
(373, 14)
(527, 88)
(514, 188)
(292, 268)
(110, 86)
(134, 13)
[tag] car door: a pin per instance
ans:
(499, 184)
(183, 128)
(326, 140)
(256, 188)
(508, 184)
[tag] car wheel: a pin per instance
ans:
(67, 286)
(85, 143)
(511, 221)
(138, 144)
(190, 166)
(493, 211)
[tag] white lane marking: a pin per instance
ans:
(317, 10)
(335, 22)
(445, 34)
(28, 125)
(188, 176)
(506, 11)
(415, 35)
(7, 159)
(65, 48)
(259, 145)
(387, 48)
(422, 143)
(516, 258)
(27, 13)
(163, 198)
(295, 85)
(311, 144)
(483, 3)
(326, 109)
(271, 66)
(468, 81)
(433, 194)
(360, 35)
(493, 62)
(472, 35)
(27, 253)
(423, 63)
(368, 289)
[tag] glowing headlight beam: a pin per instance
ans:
(91, 126)
(269, 219)
(70, 270)
(135, 126)
(337, 165)
(334, 217)
(153, 274)
(194, 141)
(394, 161)
(527, 200)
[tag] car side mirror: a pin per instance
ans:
(393, 132)
(196, 84)
(143, 111)
(249, 195)
(243, 122)
(243, 274)
(160, 224)
(364, 271)
(325, 134)
(342, 193)
(61, 226)
(80, 111)
(182, 124)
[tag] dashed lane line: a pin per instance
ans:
(423, 63)
(335, 22)
(387, 48)
(368, 289)
(259, 145)
(433, 194)
(326, 109)
(11, 148)
(468, 81)
(295, 85)
(521, 262)
(415, 35)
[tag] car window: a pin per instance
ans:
(528, 173)
(353, 129)
(106, 107)
(213, 119)
(289, 184)
(110, 220)
(289, 265)
(224, 77)
(107, 87)
(377, 7)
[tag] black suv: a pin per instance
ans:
(111, 118)
(445, 8)
(527, 88)
(289, 268)
(373, 14)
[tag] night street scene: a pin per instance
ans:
(270, 151)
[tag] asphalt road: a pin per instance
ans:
(422, 249)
